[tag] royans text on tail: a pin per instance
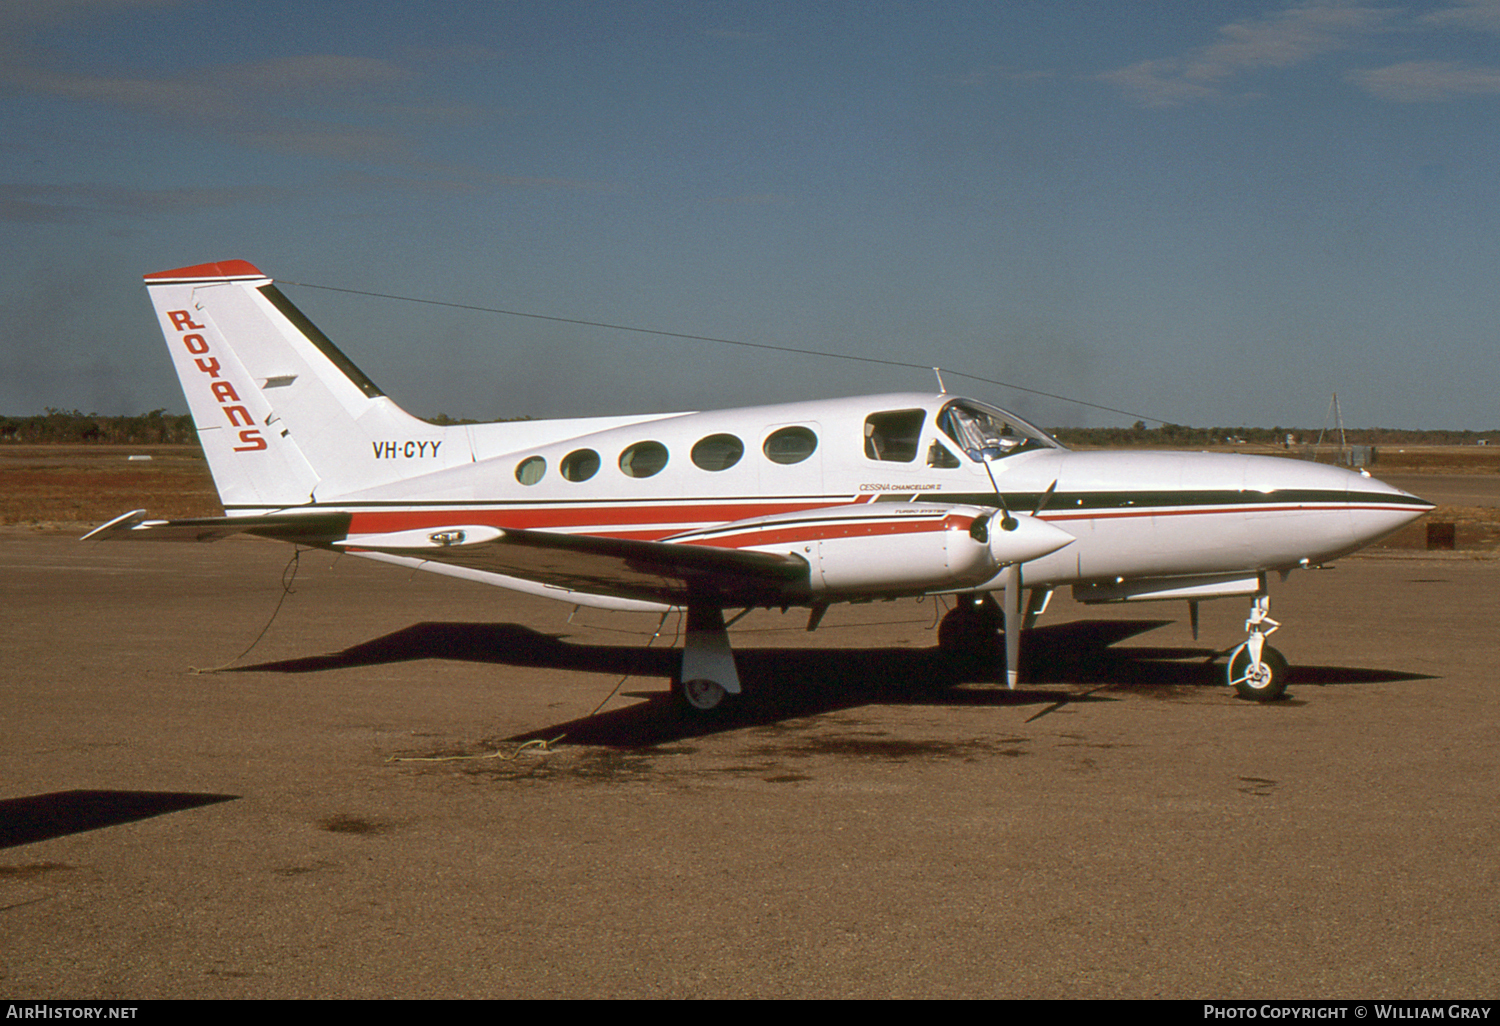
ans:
(285, 418)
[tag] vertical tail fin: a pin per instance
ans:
(285, 418)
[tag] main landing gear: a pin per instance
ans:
(707, 682)
(977, 630)
(1256, 670)
(969, 634)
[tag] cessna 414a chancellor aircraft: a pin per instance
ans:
(802, 504)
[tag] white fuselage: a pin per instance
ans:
(1131, 514)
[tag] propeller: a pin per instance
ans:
(1011, 576)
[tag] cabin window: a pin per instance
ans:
(643, 459)
(717, 452)
(939, 456)
(579, 465)
(531, 470)
(893, 436)
(790, 445)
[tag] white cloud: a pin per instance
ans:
(1159, 83)
(1418, 81)
(1474, 15)
(57, 204)
(313, 72)
(261, 103)
(1280, 40)
(217, 92)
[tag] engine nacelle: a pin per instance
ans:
(919, 553)
(885, 547)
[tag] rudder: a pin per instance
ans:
(284, 417)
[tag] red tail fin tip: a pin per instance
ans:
(223, 269)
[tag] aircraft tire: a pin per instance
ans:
(700, 698)
(969, 636)
(1265, 687)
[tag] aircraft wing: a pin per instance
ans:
(663, 572)
(836, 552)
(670, 574)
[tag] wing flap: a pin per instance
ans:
(665, 572)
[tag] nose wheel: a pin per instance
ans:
(1262, 680)
(1256, 670)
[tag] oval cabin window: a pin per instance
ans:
(717, 452)
(531, 470)
(579, 465)
(790, 445)
(643, 459)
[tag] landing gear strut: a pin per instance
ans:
(1256, 670)
(707, 681)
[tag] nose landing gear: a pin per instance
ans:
(1256, 670)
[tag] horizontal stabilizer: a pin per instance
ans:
(319, 529)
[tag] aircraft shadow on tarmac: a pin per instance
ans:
(42, 817)
(794, 682)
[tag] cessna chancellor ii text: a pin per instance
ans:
(802, 504)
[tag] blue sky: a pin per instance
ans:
(1212, 214)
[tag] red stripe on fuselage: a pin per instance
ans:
(606, 520)
(650, 521)
(813, 532)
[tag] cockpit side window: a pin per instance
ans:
(893, 436)
(984, 433)
(939, 456)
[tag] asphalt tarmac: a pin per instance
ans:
(1120, 826)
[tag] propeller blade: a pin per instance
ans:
(1012, 576)
(1007, 522)
(1041, 503)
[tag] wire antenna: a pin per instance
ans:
(723, 342)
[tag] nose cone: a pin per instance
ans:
(1377, 509)
(1313, 512)
(1029, 539)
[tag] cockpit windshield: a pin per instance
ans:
(985, 433)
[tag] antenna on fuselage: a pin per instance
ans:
(942, 389)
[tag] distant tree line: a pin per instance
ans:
(162, 428)
(70, 426)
